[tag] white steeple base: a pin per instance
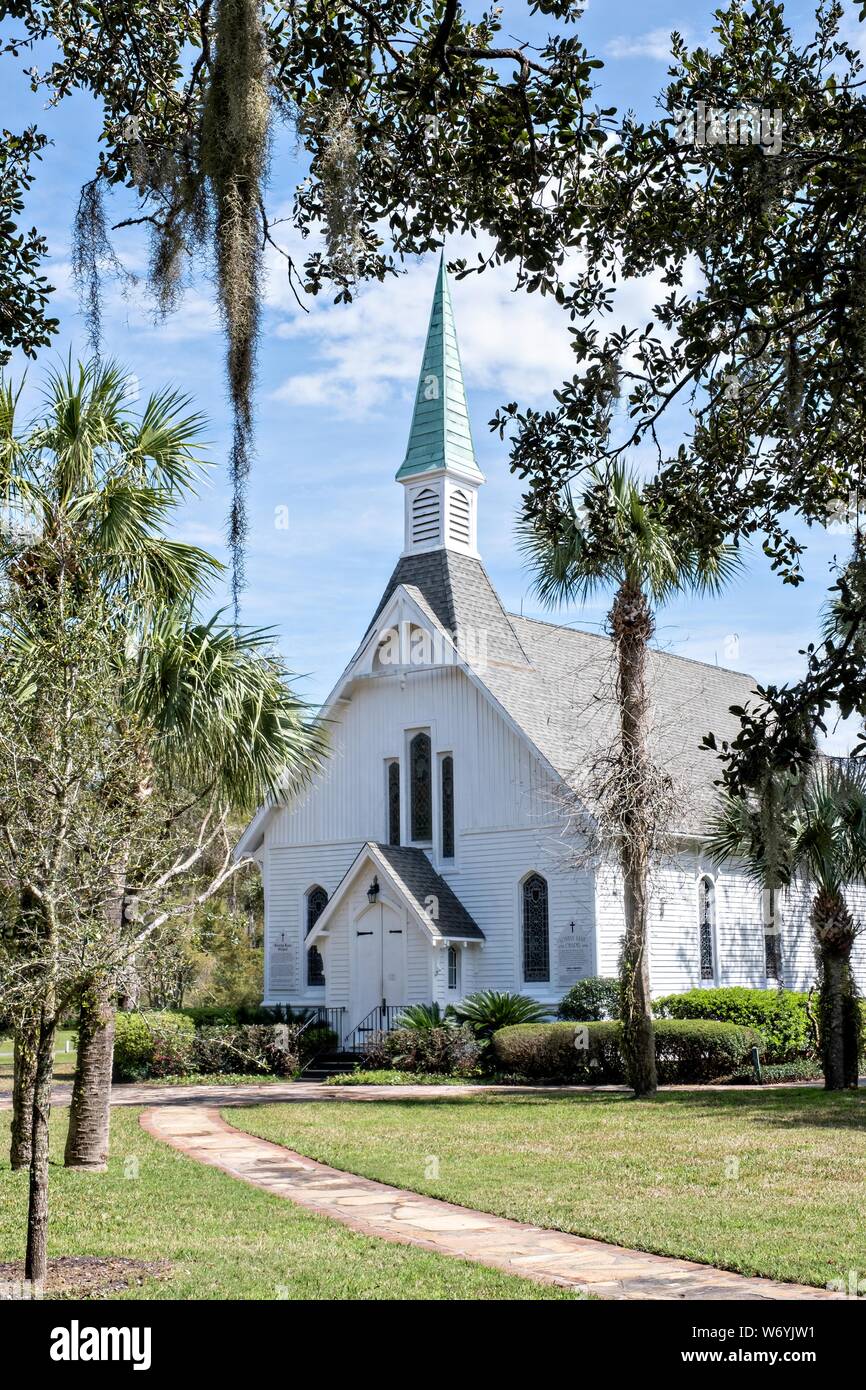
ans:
(441, 512)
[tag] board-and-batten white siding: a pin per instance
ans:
(505, 827)
(739, 937)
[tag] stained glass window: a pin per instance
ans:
(421, 788)
(707, 922)
(448, 807)
(317, 901)
(536, 933)
(394, 803)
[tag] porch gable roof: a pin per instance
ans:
(411, 876)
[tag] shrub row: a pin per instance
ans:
(216, 1015)
(779, 1015)
(686, 1051)
(451, 1051)
(150, 1045)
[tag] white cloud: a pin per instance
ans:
(655, 44)
(365, 356)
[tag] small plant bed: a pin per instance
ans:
(222, 1238)
(82, 1277)
(390, 1077)
(196, 1078)
(762, 1182)
(777, 1073)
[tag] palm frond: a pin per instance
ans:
(557, 550)
(224, 710)
(170, 441)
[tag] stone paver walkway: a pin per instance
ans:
(411, 1219)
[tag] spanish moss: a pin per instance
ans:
(234, 156)
(339, 174)
(91, 252)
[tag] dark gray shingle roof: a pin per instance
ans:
(458, 590)
(421, 882)
(566, 705)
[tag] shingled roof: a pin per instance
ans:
(557, 683)
(458, 590)
(421, 882)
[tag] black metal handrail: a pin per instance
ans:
(381, 1019)
(332, 1019)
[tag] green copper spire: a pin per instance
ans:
(440, 436)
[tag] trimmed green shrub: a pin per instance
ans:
(491, 1009)
(778, 1015)
(589, 1053)
(154, 1043)
(591, 1000)
(452, 1051)
(262, 1049)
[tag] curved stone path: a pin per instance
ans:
(375, 1209)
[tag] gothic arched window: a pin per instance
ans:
(317, 901)
(707, 927)
(421, 788)
(536, 931)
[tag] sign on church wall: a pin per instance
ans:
(283, 963)
(573, 954)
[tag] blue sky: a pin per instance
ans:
(335, 392)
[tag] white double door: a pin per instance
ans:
(380, 959)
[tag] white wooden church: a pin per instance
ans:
(431, 857)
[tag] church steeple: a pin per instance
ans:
(440, 472)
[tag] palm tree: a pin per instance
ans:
(819, 831)
(209, 706)
(622, 540)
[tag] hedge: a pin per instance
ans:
(778, 1015)
(220, 1015)
(158, 1044)
(154, 1043)
(440, 1051)
(261, 1049)
(589, 1053)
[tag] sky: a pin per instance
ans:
(335, 390)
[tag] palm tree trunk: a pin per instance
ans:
(37, 1214)
(89, 1113)
(26, 1044)
(632, 626)
(834, 932)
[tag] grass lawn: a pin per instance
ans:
(225, 1240)
(770, 1183)
(64, 1062)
